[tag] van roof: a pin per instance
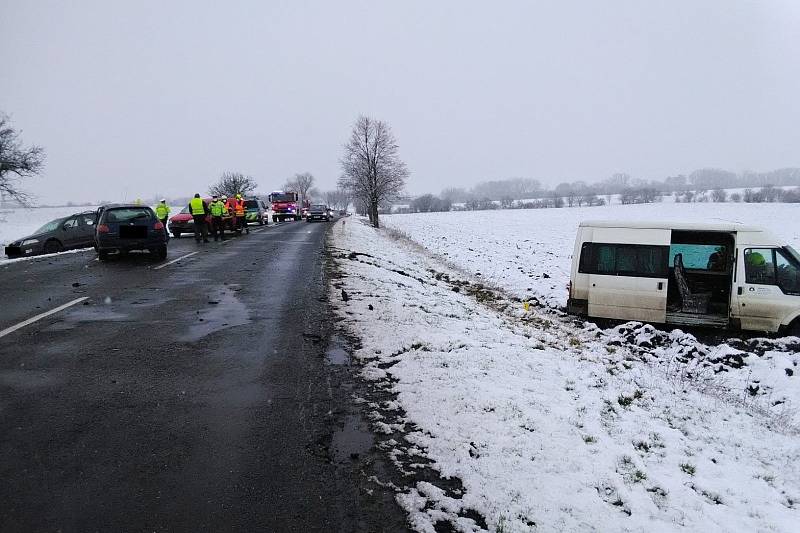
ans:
(690, 226)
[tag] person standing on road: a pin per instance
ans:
(241, 213)
(217, 208)
(162, 212)
(199, 211)
(236, 206)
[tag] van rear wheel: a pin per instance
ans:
(794, 328)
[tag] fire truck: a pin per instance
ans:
(285, 206)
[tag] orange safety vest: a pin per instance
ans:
(230, 205)
(240, 208)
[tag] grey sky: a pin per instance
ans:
(137, 98)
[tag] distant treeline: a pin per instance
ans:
(705, 184)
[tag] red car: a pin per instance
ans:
(183, 222)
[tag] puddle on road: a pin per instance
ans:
(352, 441)
(224, 311)
(336, 354)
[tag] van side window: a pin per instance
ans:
(638, 260)
(712, 257)
(769, 266)
(759, 266)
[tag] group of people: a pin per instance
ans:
(220, 209)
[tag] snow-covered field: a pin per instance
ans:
(529, 252)
(552, 424)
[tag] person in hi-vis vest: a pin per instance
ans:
(199, 211)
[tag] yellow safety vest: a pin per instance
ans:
(196, 206)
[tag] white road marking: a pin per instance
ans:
(31, 320)
(291, 242)
(175, 260)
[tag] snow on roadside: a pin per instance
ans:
(528, 254)
(550, 425)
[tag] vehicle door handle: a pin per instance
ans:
(660, 285)
(739, 291)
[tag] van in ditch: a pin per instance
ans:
(717, 275)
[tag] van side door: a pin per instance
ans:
(627, 281)
(767, 287)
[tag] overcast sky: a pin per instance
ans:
(132, 99)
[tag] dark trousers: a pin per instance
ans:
(217, 228)
(241, 222)
(200, 228)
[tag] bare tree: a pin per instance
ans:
(337, 199)
(719, 195)
(371, 167)
(233, 183)
(16, 162)
(301, 184)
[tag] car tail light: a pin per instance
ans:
(158, 225)
(102, 228)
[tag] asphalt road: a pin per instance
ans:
(192, 397)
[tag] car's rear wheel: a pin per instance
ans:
(794, 328)
(176, 234)
(161, 252)
(53, 247)
(102, 255)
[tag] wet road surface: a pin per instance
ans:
(200, 395)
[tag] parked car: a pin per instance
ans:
(318, 212)
(711, 275)
(126, 227)
(256, 212)
(183, 222)
(67, 233)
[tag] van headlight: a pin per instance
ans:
(29, 242)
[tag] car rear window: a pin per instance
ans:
(125, 214)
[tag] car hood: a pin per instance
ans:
(17, 242)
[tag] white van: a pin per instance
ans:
(719, 275)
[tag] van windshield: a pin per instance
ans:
(793, 253)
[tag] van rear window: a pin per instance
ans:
(638, 260)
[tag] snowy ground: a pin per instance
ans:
(551, 423)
